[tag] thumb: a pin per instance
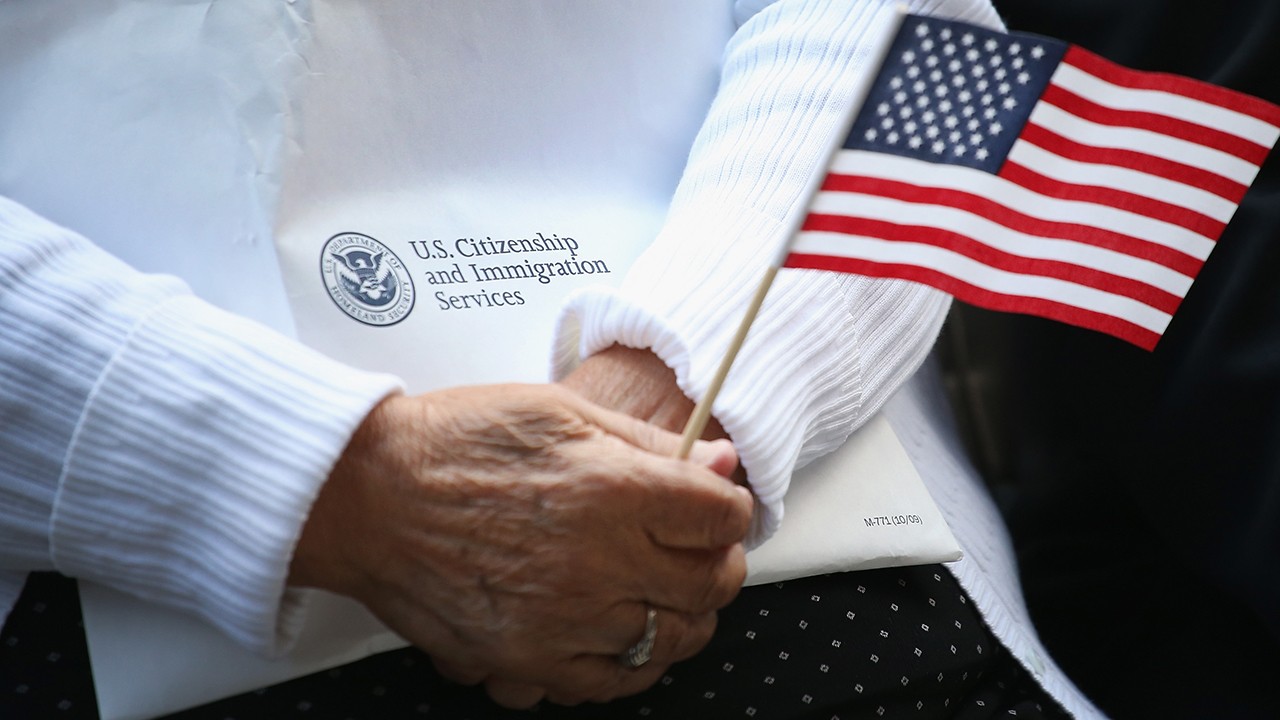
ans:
(720, 456)
(700, 510)
(717, 455)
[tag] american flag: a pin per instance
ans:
(1020, 173)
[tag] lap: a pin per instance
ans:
(896, 642)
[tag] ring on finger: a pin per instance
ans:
(640, 653)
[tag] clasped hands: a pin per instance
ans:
(520, 533)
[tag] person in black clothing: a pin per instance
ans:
(1143, 488)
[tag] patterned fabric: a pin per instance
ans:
(892, 643)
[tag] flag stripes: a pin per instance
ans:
(1190, 175)
(1066, 264)
(1177, 96)
(1047, 297)
(1166, 136)
(856, 171)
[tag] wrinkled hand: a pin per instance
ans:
(519, 533)
(635, 382)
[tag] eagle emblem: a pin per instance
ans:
(365, 279)
(363, 275)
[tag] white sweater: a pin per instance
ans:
(136, 416)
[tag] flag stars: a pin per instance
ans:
(948, 98)
(1037, 52)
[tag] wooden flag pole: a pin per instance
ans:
(702, 411)
(697, 423)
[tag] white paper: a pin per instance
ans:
(863, 506)
(409, 124)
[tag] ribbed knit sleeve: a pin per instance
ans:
(155, 443)
(827, 350)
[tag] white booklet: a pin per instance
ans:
(448, 179)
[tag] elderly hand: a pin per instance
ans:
(638, 383)
(519, 534)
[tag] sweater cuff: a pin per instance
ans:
(196, 461)
(796, 389)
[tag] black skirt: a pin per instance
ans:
(878, 644)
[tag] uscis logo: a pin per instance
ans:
(365, 279)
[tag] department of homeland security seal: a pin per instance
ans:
(365, 279)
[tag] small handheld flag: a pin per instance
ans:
(1020, 173)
